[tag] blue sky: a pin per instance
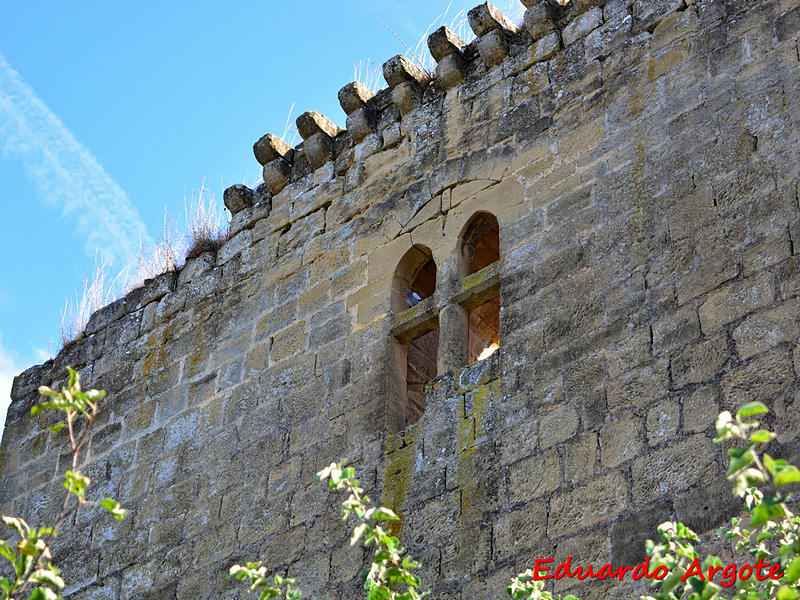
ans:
(112, 112)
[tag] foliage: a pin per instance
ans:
(769, 534)
(259, 582)
(30, 555)
(523, 587)
(391, 574)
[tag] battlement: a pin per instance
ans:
(513, 294)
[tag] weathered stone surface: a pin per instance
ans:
(601, 500)
(354, 96)
(312, 122)
(276, 175)
(736, 300)
(766, 329)
(493, 47)
(667, 472)
(581, 26)
(487, 17)
(406, 96)
(537, 20)
(450, 71)
(270, 147)
(237, 198)
(319, 149)
(444, 42)
(620, 441)
(400, 69)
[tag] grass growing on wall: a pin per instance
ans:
(205, 229)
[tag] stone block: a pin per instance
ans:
(519, 530)
(407, 96)
(354, 96)
(360, 123)
(269, 148)
(762, 379)
(600, 500)
(581, 26)
(579, 458)
(620, 441)
(399, 69)
(450, 71)
(493, 47)
(665, 473)
(537, 20)
(486, 18)
(276, 174)
(700, 362)
(319, 149)
(312, 122)
(766, 329)
(534, 477)
(675, 330)
(736, 300)
(663, 422)
(630, 533)
(557, 425)
(443, 43)
(545, 48)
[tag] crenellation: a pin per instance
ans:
(400, 69)
(269, 147)
(486, 17)
(237, 198)
(354, 96)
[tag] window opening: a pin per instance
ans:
(483, 335)
(422, 354)
(480, 244)
(417, 351)
(415, 278)
(480, 247)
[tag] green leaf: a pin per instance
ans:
(47, 577)
(789, 474)
(43, 593)
(358, 531)
(792, 573)
(7, 550)
(766, 512)
(19, 525)
(761, 436)
(384, 514)
(751, 409)
(113, 507)
(57, 427)
(737, 464)
(76, 482)
(787, 593)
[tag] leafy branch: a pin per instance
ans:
(30, 556)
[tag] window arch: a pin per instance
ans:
(480, 243)
(414, 278)
(480, 247)
(417, 356)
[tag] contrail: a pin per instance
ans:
(65, 173)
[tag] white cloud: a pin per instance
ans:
(8, 370)
(66, 174)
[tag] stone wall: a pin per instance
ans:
(641, 159)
